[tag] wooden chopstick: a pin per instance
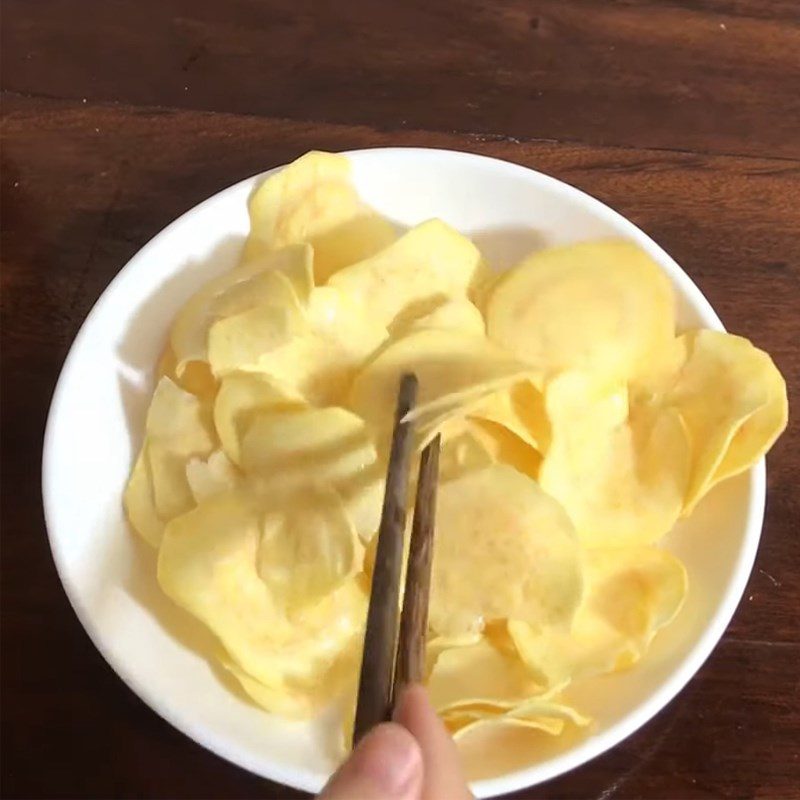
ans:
(410, 665)
(374, 703)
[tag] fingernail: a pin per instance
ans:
(390, 756)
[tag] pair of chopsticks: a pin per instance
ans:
(390, 662)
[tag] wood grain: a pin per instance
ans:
(374, 700)
(712, 76)
(85, 185)
(410, 666)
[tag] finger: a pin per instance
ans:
(444, 777)
(386, 765)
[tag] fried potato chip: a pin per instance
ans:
(604, 306)
(288, 451)
(619, 472)
(320, 365)
(177, 428)
(463, 452)
(208, 565)
(631, 593)
(429, 264)
(506, 447)
(733, 400)
(452, 369)
(503, 549)
(313, 200)
(308, 548)
(520, 409)
(211, 476)
(240, 396)
(244, 341)
(267, 281)
(140, 503)
(478, 673)
(195, 378)
(456, 314)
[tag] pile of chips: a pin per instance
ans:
(577, 428)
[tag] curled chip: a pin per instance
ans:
(518, 408)
(241, 395)
(210, 476)
(733, 401)
(453, 369)
(313, 200)
(503, 549)
(320, 363)
(177, 429)
(620, 472)
(208, 564)
(472, 671)
(429, 264)
(631, 592)
(308, 548)
(603, 306)
(293, 450)
(456, 314)
(269, 281)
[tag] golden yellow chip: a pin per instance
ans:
(289, 451)
(478, 673)
(619, 472)
(241, 395)
(207, 477)
(320, 364)
(631, 593)
(503, 549)
(208, 564)
(733, 401)
(308, 548)
(429, 264)
(262, 282)
(313, 200)
(456, 314)
(604, 306)
(177, 429)
(242, 342)
(453, 368)
(506, 447)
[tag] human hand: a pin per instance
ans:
(411, 758)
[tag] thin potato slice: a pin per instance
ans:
(426, 266)
(208, 564)
(733, 401)
(312, 200)
(453, 369)
(177, 428)
(604, 306)
(503, 549)
(308, 548)
(243, 341)
(478, 673)
(261, 282)
(619, 472)
(321, 364)
(210, 476)
(631, 593)
(241, 395)
(457, 314)
(289, 451)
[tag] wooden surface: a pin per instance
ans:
(120, 114)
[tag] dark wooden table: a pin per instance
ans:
(118, 115)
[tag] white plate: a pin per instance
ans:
(95, 426)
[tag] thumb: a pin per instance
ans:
(385, 765)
